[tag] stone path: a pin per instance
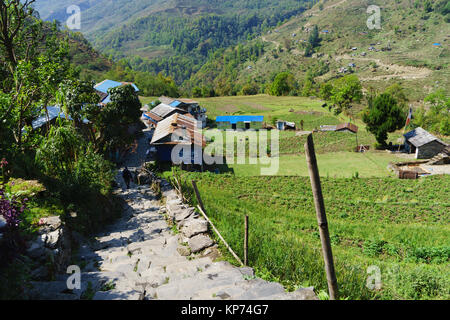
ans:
(139, 257)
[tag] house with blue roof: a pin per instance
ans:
(240, 122)
(190, 106)
(103, 87)
(54, 112)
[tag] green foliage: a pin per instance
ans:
(60, 151)
(182, 43)
(383, 115)
(284, 84)
(221, 69)
(149, 84)
(77, 98)
(346, 91)
(435, 118)
(326, 90)
(112, 123)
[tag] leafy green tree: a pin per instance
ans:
(326, 90)
(197, 92)
(283, 84)
(383, 115)
(60, 151)
(397, 91)
(114, 120)
(79, 99)
(314, 39)
(435, 117)
(346, 91)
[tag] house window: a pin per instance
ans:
(247, 125)
(233, 126)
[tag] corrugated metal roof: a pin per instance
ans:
(419, 137)
(166, 100)
(178, 121)
(349, 126)
(53, 112)
(151, 116)
(236, 119)
(328, 128)
(169, 101)
(162, 110)
(175, 103)
(105, 85)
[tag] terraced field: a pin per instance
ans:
(401, 226)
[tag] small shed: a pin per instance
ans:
(423, 144)
(240, 122)
(285, 125)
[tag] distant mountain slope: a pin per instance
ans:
(173, 36)
(412, 47)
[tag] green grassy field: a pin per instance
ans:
(333, 165)
(335, 149)
(401, 226)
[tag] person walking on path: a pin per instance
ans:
(126, 174)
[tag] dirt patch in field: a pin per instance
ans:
(229, 108)
(256, 106)
(314, 113)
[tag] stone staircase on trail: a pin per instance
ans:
(139, 257)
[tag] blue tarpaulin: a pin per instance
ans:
(236, 119)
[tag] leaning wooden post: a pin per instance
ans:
(246, 242)
(197, 194)
(321, 217)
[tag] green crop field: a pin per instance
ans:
(400, 226)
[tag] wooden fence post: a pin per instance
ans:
(321, 217)
(197, 195)
(246, 242)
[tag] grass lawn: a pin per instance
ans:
(335, 165)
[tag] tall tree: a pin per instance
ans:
(346, 91)
(383, 115)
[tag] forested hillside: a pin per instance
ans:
(173, 37)
(411, 48)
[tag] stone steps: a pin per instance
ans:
(138, 258)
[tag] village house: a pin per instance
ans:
(190, 106)
(103, 87)
(240, 122)
(178, 130)
(423, 144)
(54, 112)
(160, 112)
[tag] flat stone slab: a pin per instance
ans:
(194, 227)
(200, 242)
